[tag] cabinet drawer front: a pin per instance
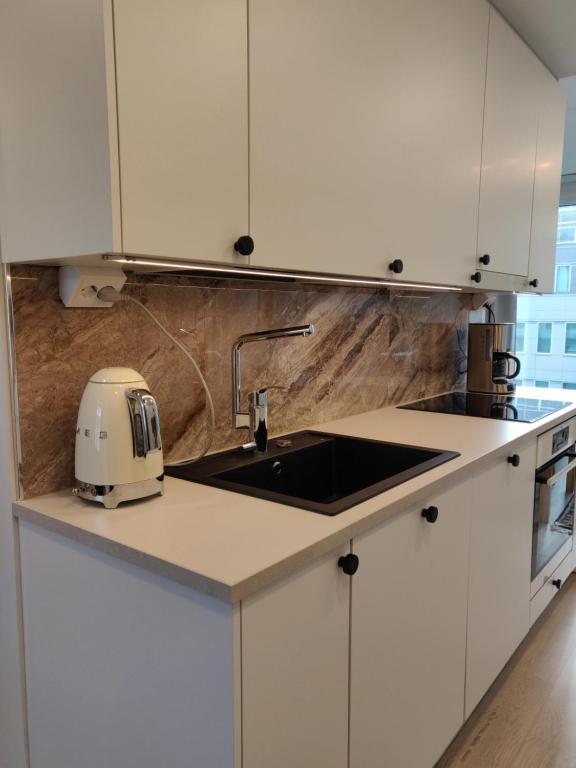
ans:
(366, 114)
(508, 151)
(295, 638)
(500, 556)
(549, 590)
(408, 635)
(182, 92)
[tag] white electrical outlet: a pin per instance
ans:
(79, 286)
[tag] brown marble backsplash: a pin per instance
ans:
(371, 349)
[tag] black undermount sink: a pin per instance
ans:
(314, 470)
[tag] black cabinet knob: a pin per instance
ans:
(430, 514)
(485, 259)
(244, 245)
(397, 266)
(557, 583)
(476, 277)
(349, 563)
(534, 283)
(514, 460)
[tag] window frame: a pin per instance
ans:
(566, 324)
(556, 268)
(538, 324)
(523, 350)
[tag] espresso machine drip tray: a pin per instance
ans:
(504, 407)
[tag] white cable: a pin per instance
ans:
(111, 294)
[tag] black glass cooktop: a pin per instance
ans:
(506, 407)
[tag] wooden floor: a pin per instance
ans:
(528, 718)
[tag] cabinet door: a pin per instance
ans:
(181, 81)
(408, 636)
(295, 638)
(365, 130)
(500, 556)
(548, 174)
(508, 151)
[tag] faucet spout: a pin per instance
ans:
(257, 422)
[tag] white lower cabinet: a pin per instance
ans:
(500, 556)
(320, 669)
(408, 635)
(295, 639)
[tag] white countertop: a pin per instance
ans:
(231, 545)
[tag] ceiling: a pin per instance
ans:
(549, 28)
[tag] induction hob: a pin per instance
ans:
(505, 407)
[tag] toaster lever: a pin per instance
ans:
(145, 422)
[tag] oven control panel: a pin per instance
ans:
(555, 441)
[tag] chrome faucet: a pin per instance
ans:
(256, 418)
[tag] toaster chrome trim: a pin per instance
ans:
(113, 495)
(145, 422)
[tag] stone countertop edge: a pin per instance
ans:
(42, 510)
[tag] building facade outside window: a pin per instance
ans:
(546, 325)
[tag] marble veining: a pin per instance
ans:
(371, 348)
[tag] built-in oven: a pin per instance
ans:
(554, 496)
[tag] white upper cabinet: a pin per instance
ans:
(508, 151)
(376, 138)
(124, 128)
(55, 195)
(181, 86)
(551, 121)
(365, 135)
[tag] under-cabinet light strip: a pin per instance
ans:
(247, 273)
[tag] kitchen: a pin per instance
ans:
(263, 227)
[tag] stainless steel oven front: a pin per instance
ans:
(554, 496)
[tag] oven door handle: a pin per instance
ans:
(561, 472)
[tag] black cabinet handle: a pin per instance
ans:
(476, 277)
(534, 283)
(349, 563)
(430, 514)
(244, 245)
(397, 266)
(485, 259)
(557, 583)
(514, 460)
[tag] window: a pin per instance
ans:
(566, 233)
(563, 279)
(544, 338)
(570, 339)
(569, 385)
(541, 383)
(520, 331)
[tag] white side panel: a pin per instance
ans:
(366, 131)
(125, 669)
(409, 636)
(55, 198)
(12, 729)
(295, 670)
(183, 126)
(508, 151)
(547, 179)
(500, 556)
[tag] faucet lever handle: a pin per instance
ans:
(259, 418)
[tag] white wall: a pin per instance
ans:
(12, 733)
